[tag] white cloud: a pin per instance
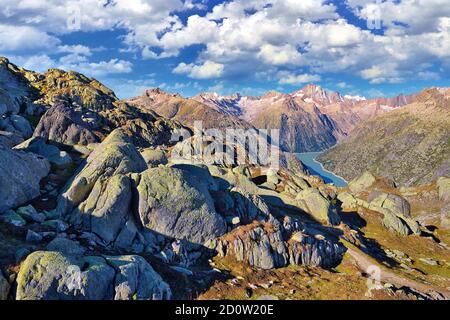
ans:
(98, 69)
(75, 49)
(79, 63)
(25, 38)
(39, 63)
(248, 36)
(126, 88)
(283, 55)
(144, 20)
(286, 78)
(207, 70)
(406, 16)
(343, 85)
(244, 38)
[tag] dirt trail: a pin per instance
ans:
(364, 262)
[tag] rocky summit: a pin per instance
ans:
(97, 204)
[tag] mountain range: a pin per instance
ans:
(310, 119)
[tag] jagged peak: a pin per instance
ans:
(216, 96)
(315, 93)
(155, 92)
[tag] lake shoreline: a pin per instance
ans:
(320, 167)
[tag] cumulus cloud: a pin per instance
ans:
(275, 55)
(242, 37)
(250, 36)
(406, 16)
(79, 63)
(25, 38)
(102, 68)
(292, 79)
(207, 70)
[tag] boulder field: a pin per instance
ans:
(93, 204)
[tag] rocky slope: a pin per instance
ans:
(98, 200)
(409, 145)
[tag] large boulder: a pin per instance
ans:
(396, 211)
(106, 209)
(50, 275)
(20, 174)
(239, 208)
(396, 204)
(7, 103)
(137, 280)
(54, 276)
(175, 204)
(362, 183)
(63, 124)
(66, 246)
(99, 197)
(10, 139)
(348, 200)
(154, 157)
(114, 156)
(443, 184)
(394, 223)
(16, 124)
(39, 146)
(314, 203)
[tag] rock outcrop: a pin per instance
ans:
(49, 275)
(73, 88)
(272, 244)
(52, 153)
(137, 280)
(20, 174)
(63, 124)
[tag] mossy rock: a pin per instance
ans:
(313, 202)
(174, 203)
(362, 183)
(49, 275)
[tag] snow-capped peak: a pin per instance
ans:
(355, 98)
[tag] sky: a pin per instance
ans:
(357, 47)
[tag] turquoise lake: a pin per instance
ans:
(316, 168)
